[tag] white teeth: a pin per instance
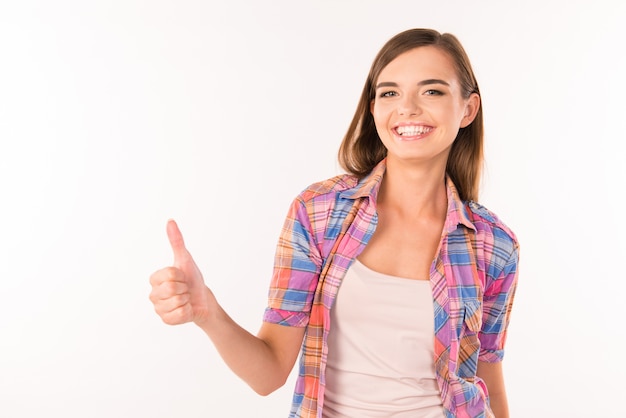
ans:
(412, 130)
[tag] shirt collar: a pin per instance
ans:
(457, 210)
(369, 185)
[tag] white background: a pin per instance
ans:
(117, 115)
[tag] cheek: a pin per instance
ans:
(381, 122)
(375, 111)
(380, 113)
(459, 110)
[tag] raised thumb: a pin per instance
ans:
(178, 244)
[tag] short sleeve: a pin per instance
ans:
(297, 267)
(497, 304)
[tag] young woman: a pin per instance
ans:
(393, 282)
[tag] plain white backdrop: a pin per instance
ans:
(117, 115)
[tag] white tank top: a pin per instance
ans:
(380, 349)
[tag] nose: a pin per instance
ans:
(408, 106)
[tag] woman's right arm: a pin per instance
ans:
(179, 296)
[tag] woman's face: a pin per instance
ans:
(418, 106)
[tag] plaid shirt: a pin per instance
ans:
(473, 281)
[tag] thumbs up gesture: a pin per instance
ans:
(178, 292)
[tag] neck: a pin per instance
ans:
(418, 191)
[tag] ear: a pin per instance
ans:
(372, 106)
(471, 109)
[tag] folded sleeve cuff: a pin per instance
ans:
(287, 318)
(491, 356)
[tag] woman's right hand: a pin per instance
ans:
(179, 295)
(178, 292)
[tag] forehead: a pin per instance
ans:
(421, 63)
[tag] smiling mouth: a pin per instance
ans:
(413, 130)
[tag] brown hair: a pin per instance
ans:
(361, 148)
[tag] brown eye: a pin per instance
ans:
(388, 94)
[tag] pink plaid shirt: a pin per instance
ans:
(473, 280)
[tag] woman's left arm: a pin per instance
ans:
(491, 374)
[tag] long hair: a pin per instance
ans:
(361, 148)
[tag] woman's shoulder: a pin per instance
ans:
(330, 187)
(486, 221)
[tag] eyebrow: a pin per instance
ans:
(420, 84)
